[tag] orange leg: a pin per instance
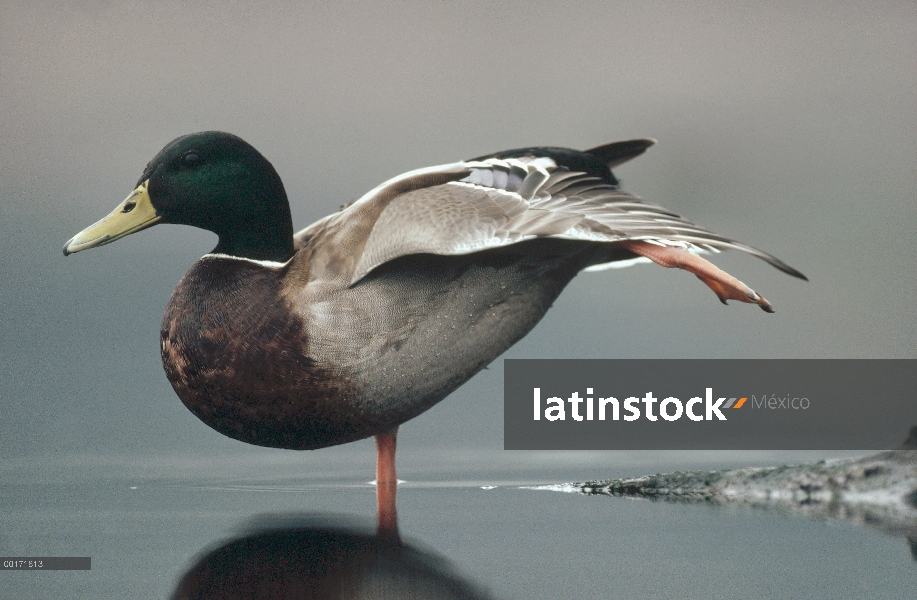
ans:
(724, 285)
(386, 484)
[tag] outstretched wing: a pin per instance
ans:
(484, 204)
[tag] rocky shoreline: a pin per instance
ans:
(879, 490)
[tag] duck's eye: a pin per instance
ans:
(190, 160)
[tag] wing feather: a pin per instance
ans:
(502, 202)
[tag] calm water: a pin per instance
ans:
(145, 522)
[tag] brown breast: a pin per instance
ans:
(238, 357)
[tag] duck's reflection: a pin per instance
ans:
(320, 557)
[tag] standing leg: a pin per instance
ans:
(386, 484)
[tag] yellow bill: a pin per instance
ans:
(132, 215)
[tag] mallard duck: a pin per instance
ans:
(375, 313)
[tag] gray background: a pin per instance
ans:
(787, 125)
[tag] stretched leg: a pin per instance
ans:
(386, 484)
(724, 285)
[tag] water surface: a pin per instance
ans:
(146, 521)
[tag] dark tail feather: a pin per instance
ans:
(620, 152)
